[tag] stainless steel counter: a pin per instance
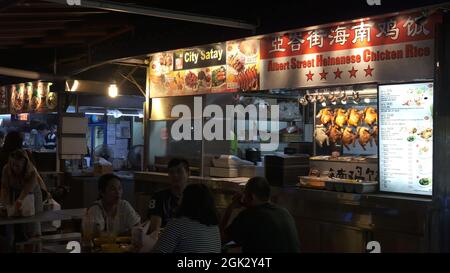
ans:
(223, 184)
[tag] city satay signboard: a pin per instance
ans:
(217, 68)
(377, 50)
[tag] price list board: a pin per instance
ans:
(406, 138)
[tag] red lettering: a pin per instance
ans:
(366, 55)
(273, 66)
(408, 51)
(413, 51)
(319, 59)
(420, 52)
(293, 63)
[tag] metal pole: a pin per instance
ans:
(161, 13)
(314, 129)
(147, 113)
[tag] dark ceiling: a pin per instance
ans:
(76, 41)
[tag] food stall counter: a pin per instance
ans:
(398, 222)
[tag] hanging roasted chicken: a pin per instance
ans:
(364, 137)
(354, 117)
(370, 116)
(326, 116)
(320, 135)
(348, 137)
(335, 134)
(375, 134)
(340, 117)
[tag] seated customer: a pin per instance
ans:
(110, 214)
(261, 227)
(195, 228)
(163, 204)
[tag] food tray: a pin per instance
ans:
(312, 182)
(351, 186)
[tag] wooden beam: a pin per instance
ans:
(61, 8)
(21, 31)
(85, 33)
(35, 22)
(63, 41)
(10, 42)
(27, 45)
(19, 35)
(119, 32)
(162, 13)
(50, 14)
(38, 4)
(7, 4)
(14, 29)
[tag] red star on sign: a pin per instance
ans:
(309, 76)
(369, 70)
(337, 74)
(323, 75)
(353, 72)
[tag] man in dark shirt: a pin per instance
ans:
(163, 204)
(50, 138)
(262, 227)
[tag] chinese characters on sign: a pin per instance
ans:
(364, 51)
(339, 36)
(364, 32)
(388, 29)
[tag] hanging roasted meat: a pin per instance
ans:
(348, 137)
(364, 137)
(354, 117)
(320, 135)
(325, 115)
(340, 117)
(335, 134)
(370, 116)
(375, 134)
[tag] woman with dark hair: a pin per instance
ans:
(195, 228)
(20, 179)
(13, 141)
(110, 214)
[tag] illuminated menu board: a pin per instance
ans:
(406, 138)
